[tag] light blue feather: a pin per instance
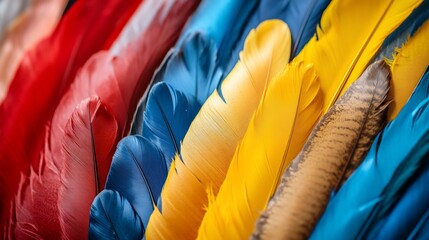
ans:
(401, 217)
(349, 209)
(220, 21)
(421, 230)
(138, 172)
(302, 17)
(113, 217)
(404, 31)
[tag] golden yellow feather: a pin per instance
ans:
(408, 65)
(214, 134)
(349, 36)
(287, 113)
(342, 137)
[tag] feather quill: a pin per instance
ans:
(42, 79)
(405, 136)
(113, 217)
(340, 141)
(207, 150)
(301, 16)
(400, 220)
(408, 65)
(347, 44)
(34, 24)
(88, 145)
(288, 111)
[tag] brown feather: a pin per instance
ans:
(340, 141)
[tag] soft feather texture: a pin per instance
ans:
(42, 79)
(339, 142)
(138, 173)
(220, 21)
(113, 217)
(351, 206)
(118, 81)
(10, 10)
(167, 118)
(88, 144)
(408, 65)
(346, 43)
(32, 26)
(213, 135)
(288, 111)
(406, 30)
(421, 231)
(301, 16)
(405, 214)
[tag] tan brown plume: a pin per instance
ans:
(335, 148)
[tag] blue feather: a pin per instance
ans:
(220, 21)
(168, 115)
(399, 221)
(138, 172)
(113, 217)
(302, 17)
(421, 231)
(401, 139)
(404, 31)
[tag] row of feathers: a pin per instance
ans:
(233, 119)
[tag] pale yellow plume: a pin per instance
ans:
(290, 108)
(408, 66)
(216, 131)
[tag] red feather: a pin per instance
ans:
(119, 81)
(41, 80)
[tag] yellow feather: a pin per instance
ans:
(342, 137)
(285, 117)
(214, 134)
(407, 67)
(349, 36)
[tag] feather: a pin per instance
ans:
(301, 16)
(219, 21)
(341, 138)
(113, 217)
(288, 111)
(408, 65)
(118, 81)
(88, 144)
(167, 118)
(350, 207)
(10, 10)
(399, 221)
(347, 44)
(42, 79)
(213, 135)
(421, 231)
(192, 70)
(138, 173)
(33, 25)
(404, 31)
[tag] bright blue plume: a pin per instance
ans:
(138, 172)
(168, 115)
(350, 208)
(399, 221)
(113, 217)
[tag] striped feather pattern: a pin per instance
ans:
(343, 135)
